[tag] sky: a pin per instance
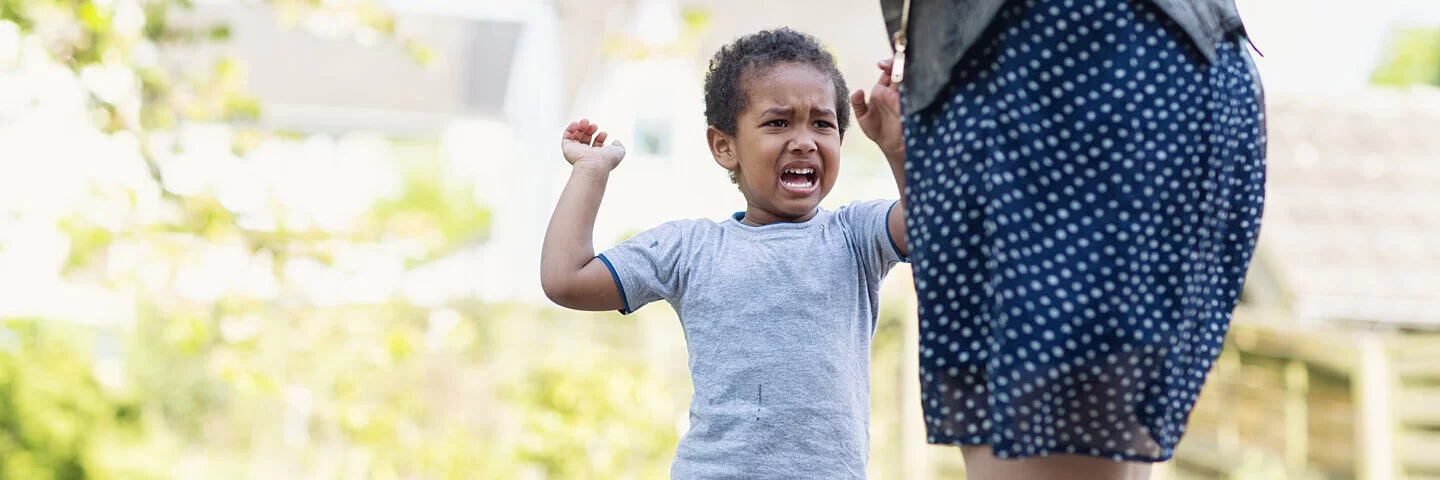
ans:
(1327, 46)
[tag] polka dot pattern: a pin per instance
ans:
(1082, 212)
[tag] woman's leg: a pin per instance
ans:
(980, 464)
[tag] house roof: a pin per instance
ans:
(1352, 218)
(310, 82)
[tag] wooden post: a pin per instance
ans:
(1163, 471)
(914, 448)
(1228, 432)
(1371, 389)
(1297, 416)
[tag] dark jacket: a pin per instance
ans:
(942, 30)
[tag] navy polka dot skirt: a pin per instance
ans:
(1082, 204)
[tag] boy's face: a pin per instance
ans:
(786, 147)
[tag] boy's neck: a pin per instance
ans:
(758, 217)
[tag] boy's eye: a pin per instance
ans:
(777, 123)
(823, 124)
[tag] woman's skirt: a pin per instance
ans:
(1083, 203)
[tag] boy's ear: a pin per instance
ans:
(722, 147)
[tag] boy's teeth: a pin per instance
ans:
(804, 177)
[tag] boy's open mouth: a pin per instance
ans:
(799, 180)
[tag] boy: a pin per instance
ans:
(778, 302)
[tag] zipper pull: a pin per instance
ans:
(897, 65)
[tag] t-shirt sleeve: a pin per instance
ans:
(869, 226)
(650, 266)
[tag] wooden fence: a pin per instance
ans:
(1287, 401)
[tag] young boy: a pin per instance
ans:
(778, 302)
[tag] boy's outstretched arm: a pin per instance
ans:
(570, 274)
(880, 119)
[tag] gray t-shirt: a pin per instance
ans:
(778, 321)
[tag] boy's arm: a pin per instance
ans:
(896, 220)
(880, 119)
(570, 274)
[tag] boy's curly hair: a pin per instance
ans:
(725, 96)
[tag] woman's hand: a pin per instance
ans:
(880, 116)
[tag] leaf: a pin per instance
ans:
(697, 19)
(86, 243)
(1414, 58)
(422, 52)
(220, 33)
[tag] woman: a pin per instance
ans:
(1085, 185)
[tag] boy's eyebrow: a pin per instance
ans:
(785, 110)
(777, 111)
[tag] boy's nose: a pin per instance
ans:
(802, 144)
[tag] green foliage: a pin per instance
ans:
(695, 23)
(86, 241)
(55, 419)
(163, 361)
(595, 417)
(228, 382)
(427, 209)
(1414, 58)
(199, 382)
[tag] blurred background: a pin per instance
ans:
(300, 239)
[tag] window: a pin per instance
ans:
(652, 136)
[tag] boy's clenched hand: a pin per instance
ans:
(584, 144)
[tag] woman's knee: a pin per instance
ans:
(981, 464)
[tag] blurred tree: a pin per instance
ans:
(270, 337)
(1414, 58)
(595, 416)
(693, 25)
(52, 410)
(211, 357)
